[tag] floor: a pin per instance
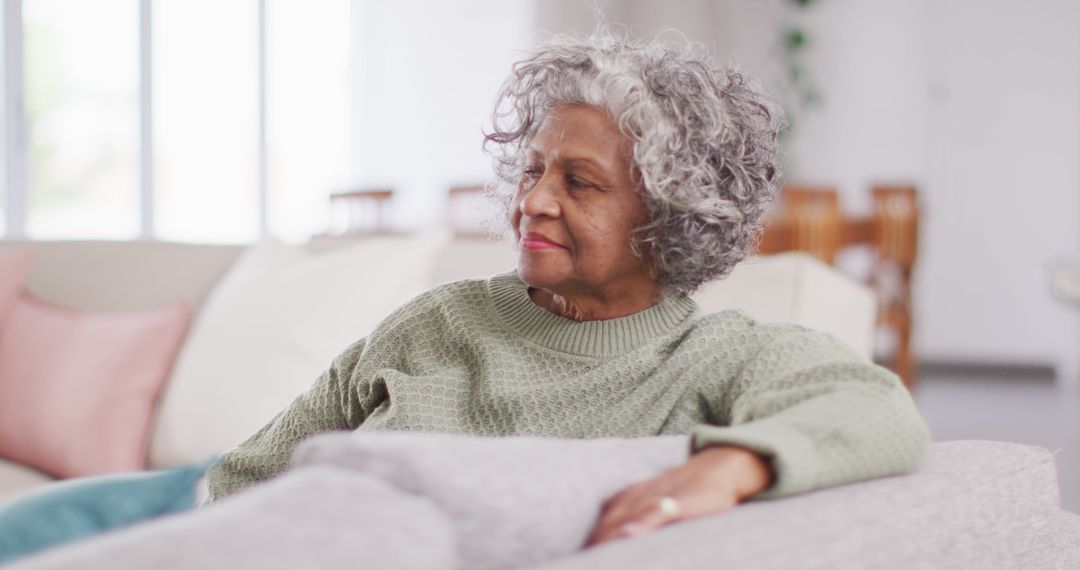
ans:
(1033, 411)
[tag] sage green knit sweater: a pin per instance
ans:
(479, 357)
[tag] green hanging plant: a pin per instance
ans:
(798, 90)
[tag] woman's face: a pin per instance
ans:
(575, 208)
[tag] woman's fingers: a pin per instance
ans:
(709, 482)
(615, 510)
(654, 514)
(631, 514)
(636, 511)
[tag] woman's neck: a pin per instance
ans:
(585, 308)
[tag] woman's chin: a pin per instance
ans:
(539, 276)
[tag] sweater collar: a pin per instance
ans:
(599, 339)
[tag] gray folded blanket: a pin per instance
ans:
(394, 500)
(512, 501)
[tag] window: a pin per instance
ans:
(214, 121)
(81, 105)
(209, 109)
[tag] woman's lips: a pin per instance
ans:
(535, 242)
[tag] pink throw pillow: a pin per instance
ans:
(77, 389)
(14, 265)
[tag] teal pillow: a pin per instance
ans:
(77, 508)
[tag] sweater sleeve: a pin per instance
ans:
(330, 404)
(819, 412)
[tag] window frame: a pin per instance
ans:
(14, 143)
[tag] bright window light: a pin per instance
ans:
(81, 64)
(307, 99)
(205, 120)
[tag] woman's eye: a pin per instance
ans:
(575, 182)
(530, 174)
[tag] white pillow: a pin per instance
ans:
(271, 326)
(471, 258)
(794, 287)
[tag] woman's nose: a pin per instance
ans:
(540, 201)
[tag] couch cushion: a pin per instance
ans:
(77, 389)
(797, 288)
(270, 328)
(14, 264)
(17, 479)
(473, 258)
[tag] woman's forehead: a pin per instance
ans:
(580, 133)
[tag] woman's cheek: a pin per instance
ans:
(514, 215)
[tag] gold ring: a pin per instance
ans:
(669, 506)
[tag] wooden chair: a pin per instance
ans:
(364, 210)
(816, 222)
(895, 244)
(810, 219)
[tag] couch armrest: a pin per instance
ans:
(973, 504)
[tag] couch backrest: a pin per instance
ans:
(797, 288)
(116, 275)
(789, 287)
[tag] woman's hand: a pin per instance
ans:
(712, 480)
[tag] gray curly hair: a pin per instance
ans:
(704, 143)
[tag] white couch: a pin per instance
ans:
(979, 504)
(143, 274)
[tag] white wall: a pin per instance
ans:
(974, 101)
(1003, 179)
(865, 55)
(425, 78)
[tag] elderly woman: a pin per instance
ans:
(632, 174)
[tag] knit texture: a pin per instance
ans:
(479, 357)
